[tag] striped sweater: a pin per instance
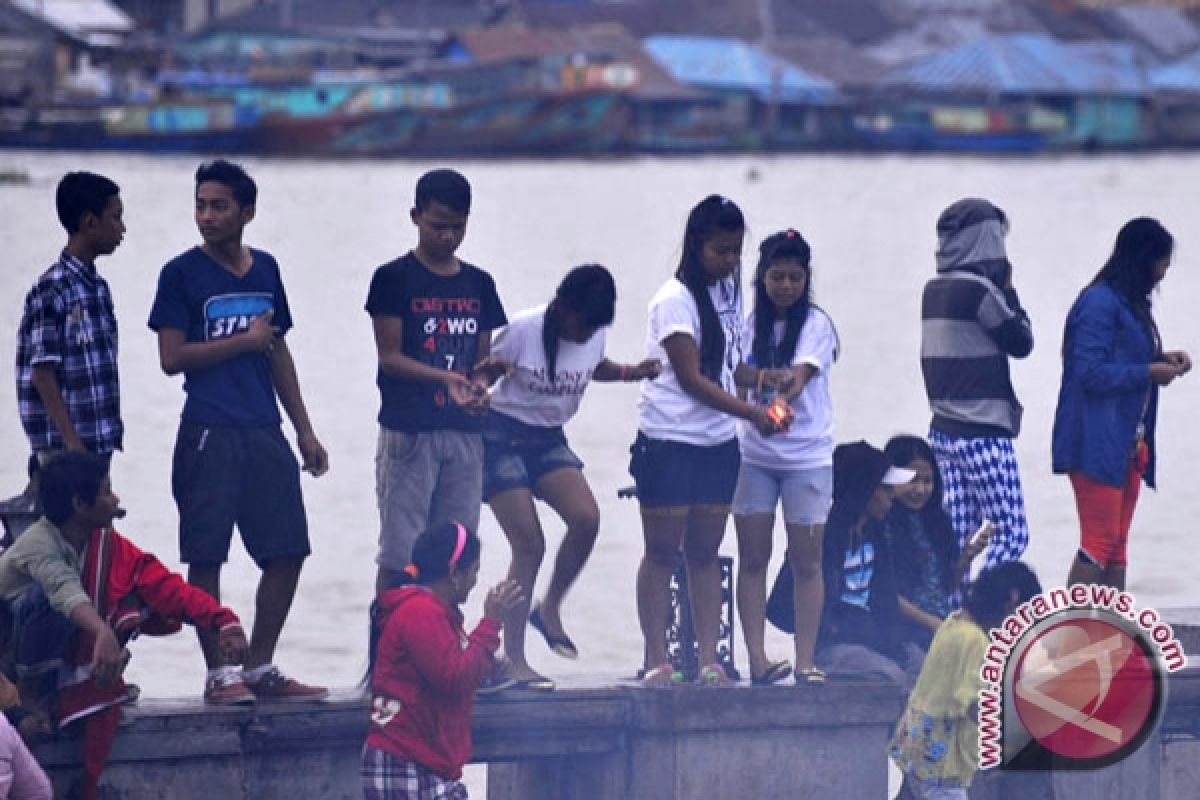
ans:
(970, 327)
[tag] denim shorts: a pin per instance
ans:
(424, 479)
(676, 475)
(807, 493)
(245, 476)
(517, 456)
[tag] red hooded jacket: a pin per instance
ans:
(426, 672)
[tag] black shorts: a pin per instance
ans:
(672, 474)
(244, 476)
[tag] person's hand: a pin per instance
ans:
(1163, 372)
(762, 421)
(781, 380)
(649, 369)
(34, 726)
(479, 396)
(260, 336)
(232, 645)
(1180, 360)
(492, 369)
(108, 658)
(315, 459)
(501, 599)
(460, 390)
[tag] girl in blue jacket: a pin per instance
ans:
(1113, 366)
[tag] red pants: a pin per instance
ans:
(1106, 512)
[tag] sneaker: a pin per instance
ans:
(227, 688)
(274, 686)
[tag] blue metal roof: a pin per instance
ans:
(711, 62)
(1029, 63)
(1182, 76)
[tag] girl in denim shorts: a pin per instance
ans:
(685, 458)
(556, 350)
(792, 345)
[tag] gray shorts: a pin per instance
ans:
(421, 480)
(807, 494)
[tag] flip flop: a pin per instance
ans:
(494, 685)
(772, 674)
(662, 677)
(812, 676)
(560, 645)
(714, 675)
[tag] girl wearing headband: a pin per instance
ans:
(425, 668)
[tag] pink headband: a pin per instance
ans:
(460, 545)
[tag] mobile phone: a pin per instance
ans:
(980, 539)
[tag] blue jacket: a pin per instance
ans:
(1106, 387)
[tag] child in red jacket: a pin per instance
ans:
(425, 669)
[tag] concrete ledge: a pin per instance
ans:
(595, 742)
(605, 741)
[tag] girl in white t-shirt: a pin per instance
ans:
(685, 458)
(785, 332)
(556, 351)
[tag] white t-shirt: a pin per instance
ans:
(808, 444)
(665, 410)
(526, 394)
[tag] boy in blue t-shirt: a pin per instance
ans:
(433, 317)
(221, 315)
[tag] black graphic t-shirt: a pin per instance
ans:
(443, 318)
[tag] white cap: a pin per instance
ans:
(897, 476)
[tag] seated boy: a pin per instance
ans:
(77, 592)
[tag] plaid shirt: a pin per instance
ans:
(69, 322)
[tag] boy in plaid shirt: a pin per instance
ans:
(66, 372)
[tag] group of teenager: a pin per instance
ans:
(735, 414)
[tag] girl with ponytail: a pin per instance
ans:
(556, 351)
(425, 668)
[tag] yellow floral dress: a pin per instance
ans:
(936, 741)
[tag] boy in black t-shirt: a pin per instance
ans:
(433, 317)
(221, 315)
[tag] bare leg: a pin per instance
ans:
(276, 588)
(518, 519)
(754, 552)
(566, 491)
(705, 529)
(804, 554)
(662, 530)
(207, 577)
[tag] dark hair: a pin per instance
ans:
(989, 596)
(787, 244)
(858, 470)
(82, 193)
(588, 292)
(1141, 243)
(444, 186)
(67, 477)
(226, 173)
(935, 522)
(712, 214)
(431, 556)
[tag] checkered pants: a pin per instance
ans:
(386, 777)
(981, 482)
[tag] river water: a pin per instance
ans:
(870, 222)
